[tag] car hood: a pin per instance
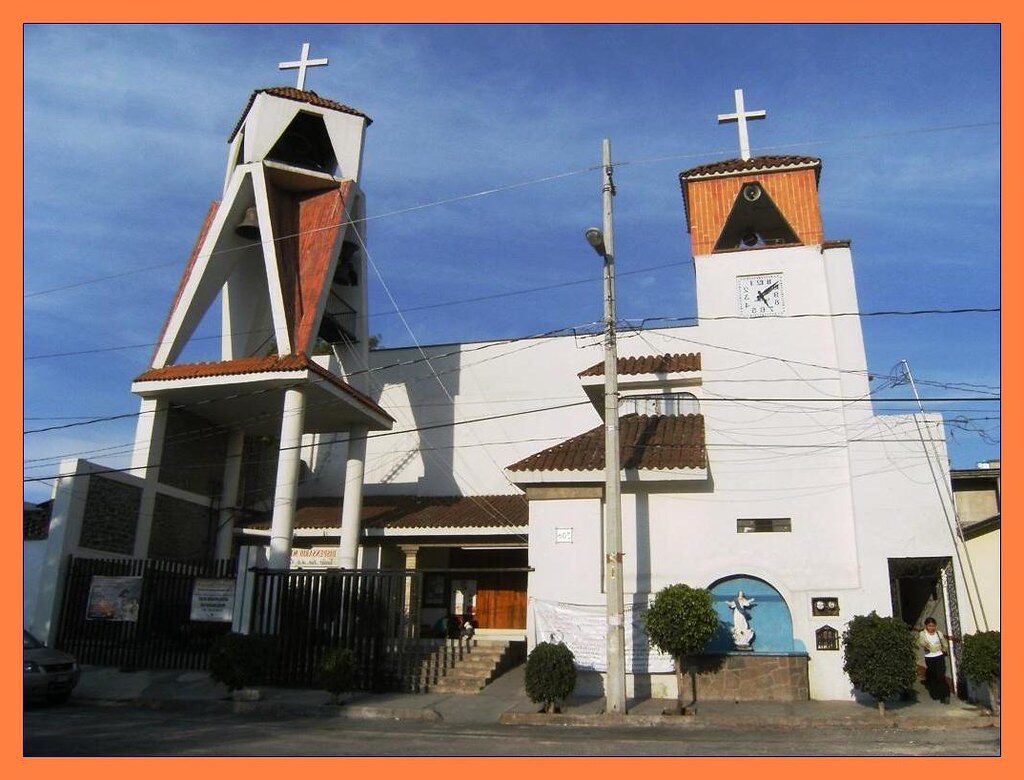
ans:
(47, 655)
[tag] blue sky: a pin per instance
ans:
(125, 143)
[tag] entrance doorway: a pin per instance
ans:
(924, 588)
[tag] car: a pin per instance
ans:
(49, 673)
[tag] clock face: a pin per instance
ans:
(760, 295)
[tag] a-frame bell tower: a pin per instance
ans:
(284, 250)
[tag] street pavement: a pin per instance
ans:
(176, 713)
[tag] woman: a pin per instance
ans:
(935, 648)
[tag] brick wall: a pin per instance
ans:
(193, 454)
(795, 193)
(110, 516)
(181, 530)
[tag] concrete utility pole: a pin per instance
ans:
(604, 244)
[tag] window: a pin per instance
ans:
(762, 525)
(669, 404)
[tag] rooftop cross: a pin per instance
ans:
(302, 63)
(740, 118)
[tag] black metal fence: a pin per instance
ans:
(310, 612)
(144, 621)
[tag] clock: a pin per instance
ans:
(760, 295)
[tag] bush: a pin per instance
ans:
(880, 656)
(981, 662)
(241, 660)
(338, 671)
(550, 674)
(680, 622)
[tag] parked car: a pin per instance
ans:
(49, 673)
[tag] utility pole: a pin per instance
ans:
(604, 244)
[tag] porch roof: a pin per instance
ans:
(410, 512)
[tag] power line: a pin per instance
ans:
(514, 186)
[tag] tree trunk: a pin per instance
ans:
(679, 685)
(993, 695)
(881, 707)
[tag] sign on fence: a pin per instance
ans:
(213, 601)
(314, 558)
(114, 598)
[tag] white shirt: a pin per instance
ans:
(934, 644)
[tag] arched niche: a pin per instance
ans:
(770, 617)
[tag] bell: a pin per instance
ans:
(249, 227)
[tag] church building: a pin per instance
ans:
(752, 462)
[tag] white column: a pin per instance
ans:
(411, 551)
(69, 496)
(352, 500)
(149, 448)
(288, 462)
(229, 493)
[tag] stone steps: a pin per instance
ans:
(482, 662)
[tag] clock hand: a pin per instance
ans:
(767, 289)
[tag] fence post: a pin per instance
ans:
(248, 558)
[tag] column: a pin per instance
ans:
(352, 500)
(287, 485)
(149, 449)
(410, 551)
(229, 494)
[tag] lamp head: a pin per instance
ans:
(596, 239)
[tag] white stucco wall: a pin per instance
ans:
(33, 556)
(984, 553)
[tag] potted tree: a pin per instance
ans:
(981, 663)
(338, 672)
(680, 622)
(241, 661)
(550, 675)
(879, 657)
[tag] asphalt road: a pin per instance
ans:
(87, 730)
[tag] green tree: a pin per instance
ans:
(981, 662)
(241, 660)
(680, 623)
(880, 656)
(550, 674)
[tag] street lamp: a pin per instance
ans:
(603, 243)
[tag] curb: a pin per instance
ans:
(278, 709)
(717, 721)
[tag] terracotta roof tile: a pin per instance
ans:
(764, 163)
(664, 442)
(257, 365)
(301, 95)
(415, 512)
(650, 364)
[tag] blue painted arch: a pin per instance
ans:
(769, 616)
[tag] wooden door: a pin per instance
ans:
(501, 600)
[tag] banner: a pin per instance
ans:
(584, 630)
(114, 598)
(314, 558)
(213, 601)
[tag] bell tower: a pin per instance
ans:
(284, 249)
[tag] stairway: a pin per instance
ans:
(467, 665)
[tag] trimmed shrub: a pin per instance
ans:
(680, 622)
(550, 674)
(241, 660)
(981, 662)
(338, 671)
(880, 656)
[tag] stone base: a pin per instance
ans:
(753, 677)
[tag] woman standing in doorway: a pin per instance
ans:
(935, 648)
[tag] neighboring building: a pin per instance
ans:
(36, 532)
(977, 494)
(751, 457)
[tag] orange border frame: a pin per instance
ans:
(910, 11)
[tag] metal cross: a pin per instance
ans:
(740, 118)
(302, 63)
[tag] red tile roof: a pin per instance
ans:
(301, 95)
(257, 365)
(665, 442)
(764, 163)
(650, 364)
(411, 512)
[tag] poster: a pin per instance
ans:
(583, 629)
(114, 598)
(213, 601)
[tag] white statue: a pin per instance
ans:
(742, 633)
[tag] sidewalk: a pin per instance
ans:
(504, 701)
